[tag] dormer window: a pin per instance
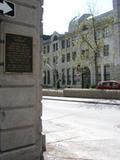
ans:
(55, 38)
(106, 32)
(84, 27)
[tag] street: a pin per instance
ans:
(81, 131)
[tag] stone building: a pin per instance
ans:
(69, 59)
(20, 91)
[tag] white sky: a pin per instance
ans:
(58, 13)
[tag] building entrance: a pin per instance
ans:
(86, 77)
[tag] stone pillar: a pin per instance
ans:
(102, 72)
(116, 8)
(20, 90)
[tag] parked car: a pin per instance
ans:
(111, 84)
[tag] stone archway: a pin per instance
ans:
(86, 76)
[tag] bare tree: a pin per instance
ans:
(91, 36)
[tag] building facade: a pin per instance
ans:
(87, 53)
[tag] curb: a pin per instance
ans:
(96, 101)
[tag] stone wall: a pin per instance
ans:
(52, 92)
(84, 93)
(92, 93)
(20, 92)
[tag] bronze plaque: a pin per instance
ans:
(18, 57)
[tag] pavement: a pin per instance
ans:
(81, 129)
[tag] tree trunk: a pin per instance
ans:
(96, 69)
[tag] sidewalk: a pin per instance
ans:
(84, 100)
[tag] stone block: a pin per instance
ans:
(27, 153)
(13, 97)
(16, 118)
(17, 138)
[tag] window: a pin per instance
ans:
(63, 58)
(98, 53)
(44, 50)
(44, 76)
(63, 76)
(106, 72)
(68, 76)
(106, 32)
(73, 56)
(68, 43)
(99, 73)
(55, 38)
(48, 60)
(73, 76)
(55, 77)
(48, 77)
(68, 57)
(84, 27)
(63, 44)
(87, 53)
(55, 60)
(97, 34)
(44, 62)
(106, 50)
(74, 40)
(48, 49)
(82, 53)
(55, 47)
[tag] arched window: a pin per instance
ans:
(44, 74)
(48, 77)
